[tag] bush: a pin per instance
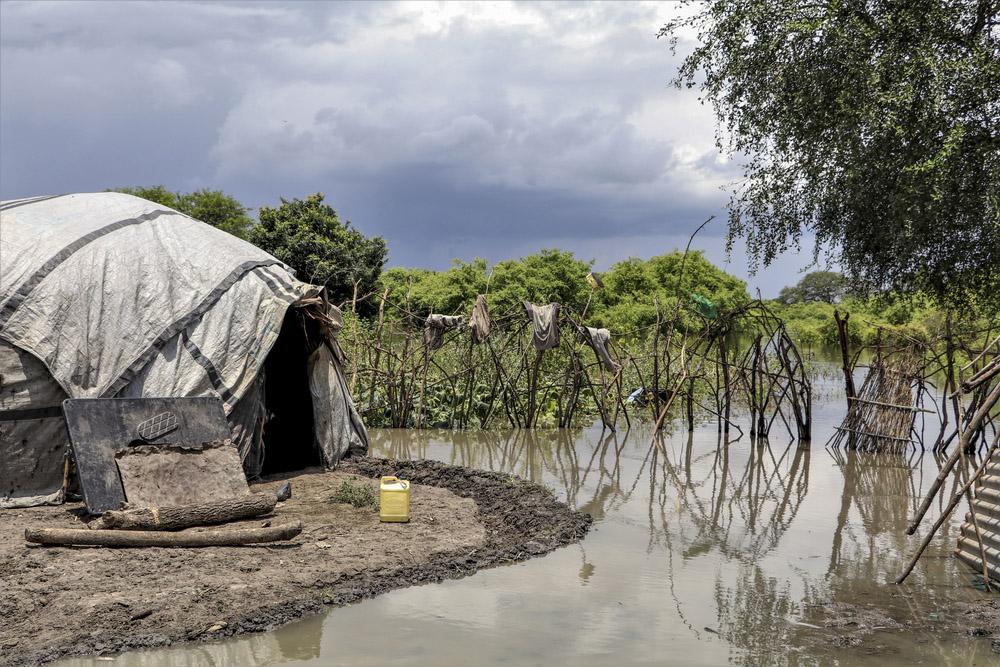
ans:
(324, 250)
(357, 494)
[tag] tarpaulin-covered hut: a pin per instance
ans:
(110, 295)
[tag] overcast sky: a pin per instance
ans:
(452, 130)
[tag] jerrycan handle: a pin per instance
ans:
(389, 479)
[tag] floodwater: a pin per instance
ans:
(700, 554)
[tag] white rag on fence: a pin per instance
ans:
(480, 321)
(599, 339)
(545, 325)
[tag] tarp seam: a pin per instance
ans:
(183, 323)
(286, 292)
(25, 202)
(30, 413)
(22, 292)
(225, 393)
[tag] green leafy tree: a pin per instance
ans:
(217, 209)
(212, 206)
(826, 286)
(406, 288)
(626, 304)
(423, 291)
(634, 287)
(308, 235)
(542, 277)
(549, 275)
(874, 126)
(154, 193)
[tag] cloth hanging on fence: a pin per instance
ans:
(598, 340)
(435, 326)
(545, 324)
(480, 321)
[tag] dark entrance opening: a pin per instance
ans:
(289, 443)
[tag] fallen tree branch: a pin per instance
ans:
(117, 538)
(185, 516)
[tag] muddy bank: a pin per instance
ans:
(875, 630)
(80, 601)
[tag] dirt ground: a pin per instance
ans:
(58, 601)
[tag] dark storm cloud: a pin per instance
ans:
(452, 130)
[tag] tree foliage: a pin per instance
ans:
(212, 206)
(634, 288)
(308, 235)
(874, 126)
(626, 303)
(546, 276)
(423, 291)
(542, 277)
(825, 286)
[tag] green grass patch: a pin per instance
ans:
(356, 494)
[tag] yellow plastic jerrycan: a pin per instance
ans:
(394, 499)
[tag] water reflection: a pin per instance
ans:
(738, 528)
(711, 550)
(252, 650)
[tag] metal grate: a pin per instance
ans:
(158, 426)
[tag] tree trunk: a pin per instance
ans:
(117, 538)
(185, 516)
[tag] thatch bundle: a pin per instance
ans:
(880, 417)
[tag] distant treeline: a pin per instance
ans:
(309, 236)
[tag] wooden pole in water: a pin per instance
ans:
(845, 357)
(690, 405)
(727, 389)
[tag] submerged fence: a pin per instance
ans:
(536, 366)
(543, 366)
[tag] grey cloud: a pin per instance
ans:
(91, 26)
(472, 131)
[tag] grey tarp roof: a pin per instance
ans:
(119, 296)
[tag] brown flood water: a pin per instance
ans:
(700, 554)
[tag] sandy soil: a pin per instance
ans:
(58, 601)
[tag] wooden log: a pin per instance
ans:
(186, 516)
(118, 538)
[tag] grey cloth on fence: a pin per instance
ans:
(545, 323)
(599, 339)
(480, 321)
(435, 326)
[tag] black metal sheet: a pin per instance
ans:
(99, 427)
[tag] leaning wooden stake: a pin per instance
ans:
(963, 442)
(952, 504)
(117, 538)
(186, 516)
